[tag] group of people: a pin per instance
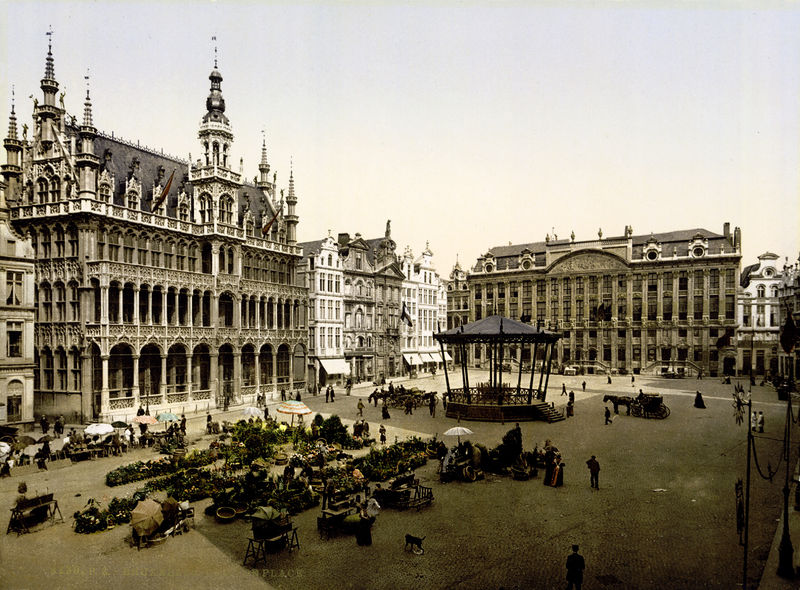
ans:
(330, 394)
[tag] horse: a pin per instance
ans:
(619, 400)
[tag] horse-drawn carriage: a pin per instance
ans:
(644, 405)
(8, 434)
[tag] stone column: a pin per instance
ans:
(189, 375)
(291, 370)
(213, 379)
(274, 373)
(150, 306)
(215, 310)
(104, 304)
(136, 375)
(87, 386)
(163, 306)
(136, 319)
(258, 370)
(237, 374)
(119, 304)
(104, 388)
(163, 384)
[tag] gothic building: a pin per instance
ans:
(652, 303)
(159, 282)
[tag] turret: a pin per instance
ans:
(291, 216)
(12, 169)
(48, 113)
(216, 135)
(86, 162)
(263, 167)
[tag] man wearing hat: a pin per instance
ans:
(594, 472)
(575, 567)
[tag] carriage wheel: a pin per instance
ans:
(636, 410)
(7, 439)
(663, 412)
(468, 473)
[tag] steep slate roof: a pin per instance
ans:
(122, 155)
(506, 257)
(310, 247)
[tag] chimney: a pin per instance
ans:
(737, 239)
(344, 239)
(726, 229)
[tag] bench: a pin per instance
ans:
(331, 520)
(30, 511)
(257, 547)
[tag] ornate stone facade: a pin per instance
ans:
(658, 303)
(159, 282)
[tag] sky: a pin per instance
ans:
(469, 125)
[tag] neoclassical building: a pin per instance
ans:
(159, 282)
(759, 317)
(647, 303)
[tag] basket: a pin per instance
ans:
(226, 514)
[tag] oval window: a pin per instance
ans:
(698, 251)
(652, 255)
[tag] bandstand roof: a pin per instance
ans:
(496, 328)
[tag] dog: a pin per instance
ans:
(415, 543)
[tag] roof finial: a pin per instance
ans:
(87, 106)
(12, 119)
(214, 38)
(49, 71)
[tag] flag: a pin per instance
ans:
(601, 313)
(164, 193)
(789, 333)
(265, 229)
(405, 317)
(744, 278)
(723, 341)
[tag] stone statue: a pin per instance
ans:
(24, 132)
(388, 228)
(61, 101)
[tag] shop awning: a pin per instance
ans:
(412, 358)
(427, 357)
(447, 356)
(335, 366)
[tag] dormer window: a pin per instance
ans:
(698, 251)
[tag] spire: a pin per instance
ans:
(49, 71)
(291, 196)
(87, 106)
(263, 166)
(12, 119)
(215, 103)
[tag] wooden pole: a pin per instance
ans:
(549, 364)
(519, 379)
(533, 370)
(444, 362)
(541, 372)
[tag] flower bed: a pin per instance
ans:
(93, 518)
(140, 470)
(382, 464)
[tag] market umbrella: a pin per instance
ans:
(99, 429)
(251, 411)
(45, 438)
(31, 450)
(5, 448)
(25, 440)
(145, 419)
(166, 417)
(146, 517)
(169, 508)
(119, 424)
(294, 407)
(458, 431)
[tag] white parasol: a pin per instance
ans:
(252, 411)
(295, 408)
(458, 431)
(99, 428)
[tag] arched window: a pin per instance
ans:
(761, 290)
(205, 208)
(55, 189)
(226, 209)
(774, 291)
(41, 190)
(104, 192)
(133, 200)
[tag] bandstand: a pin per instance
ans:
(497, 400)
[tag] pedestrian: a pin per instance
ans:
(563, 389)
(385, 410)
(432, 405)
(140, 411)
(360, 407)
(183, 424)
(382, 431)
(297, 396)
(45, 424)
(444, 401)
(608, 415)
(327, 393)
(283, 394)
(208, 422)
(753, 421)
(633, 381)
(575, 567)
(760, 421)
(594, 471)
(698, 401)
(700, 374)
(571, 396)
(584, 386)
(609, 379)
(333, 394)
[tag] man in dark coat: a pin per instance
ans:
(575, 567)
(608, 415)
(594, 472)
